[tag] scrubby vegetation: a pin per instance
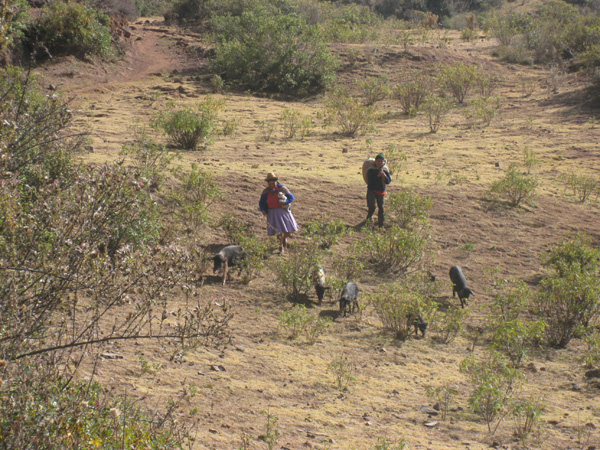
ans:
(78, 245)
(119, 250)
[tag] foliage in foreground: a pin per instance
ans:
(39, 408)
(82, 264)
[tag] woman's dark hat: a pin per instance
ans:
(380, 156)
(271, 177)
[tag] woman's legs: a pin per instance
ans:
(283, 241)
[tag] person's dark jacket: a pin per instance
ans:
(376, 183)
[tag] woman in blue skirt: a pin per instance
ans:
(274, 204)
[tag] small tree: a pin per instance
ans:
(435, 110)
(516, 187)
(458, 80)
(494, 383)
(348, 113)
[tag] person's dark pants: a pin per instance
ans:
(372, 200)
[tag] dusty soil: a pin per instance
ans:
(262, 370)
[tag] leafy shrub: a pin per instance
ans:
(569, 297)
(324, 233)
(32, 131)
(583, 186)
(68, 28)
(266, 50)
(527, 416)
(494, 383)
(395, 249)
(348, 113)
(41, 408)
(449, 324)
(591, 355)
(409, 210)
(266, 129)
(151, 160)
(395, 159)
(374, 89)
(257, 251)
(412, 94)
(397, 307)
(197, 193)
(488, 83)
(190, 128)
(148, 8)
(291, 121)
(295, 273)
(515, 187)
(348, 266)
(14, 17)
(458, 80)
(383, 443)
(444, 396)
(482, 109)
(299, 321)
(234, 227)
(343, 370)
(574, 255)
(350, 23)
(436, 109)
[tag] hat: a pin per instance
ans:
(380, 156)
(271, 177)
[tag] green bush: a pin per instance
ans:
(482, 110)
(395, 249)
(449, 324)
(291, 122)
(295, 273)
(151, 160)
(148, 8)
(494, 382)
(527, 416)
(568, 300)
(196, 195)
(343, 370)
(412, 94)
(31, 131)
(14, 18)
(68, 28)
(398, 305)
(324, 233)
(348, 113)
(442, 395)
(299, 321)
(458, 80)
(516, 187)
(583, 186)
(350, 23)
(409, 210)
(190, 127)
(266, 50)
(41, 409)
(374, 89)
(395, 159)
(435, 110)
